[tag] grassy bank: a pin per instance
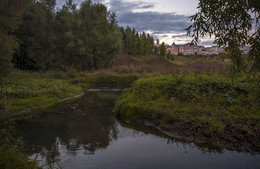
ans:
(27, 90)
(23, 90)
(205, 109)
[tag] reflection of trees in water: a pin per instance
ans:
(52, 153)
(187, 145)
(89, 123)
(95, 122)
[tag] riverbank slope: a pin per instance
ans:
(204, 109)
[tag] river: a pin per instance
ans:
(85, 134)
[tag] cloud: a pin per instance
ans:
(158, 23)
(119, 6)
(165, 36)
(147, 6)
(206, 43)
(59, 3)
(179, 35)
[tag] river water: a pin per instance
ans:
(86, 134)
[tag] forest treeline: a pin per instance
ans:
(35, 35)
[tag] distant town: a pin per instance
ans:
(191, 49)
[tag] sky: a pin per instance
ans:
(163, 19)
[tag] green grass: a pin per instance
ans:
(11, 158)
(31, 90)
(207, 105)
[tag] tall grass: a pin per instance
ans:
(182, 64)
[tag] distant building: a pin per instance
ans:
(191, 49)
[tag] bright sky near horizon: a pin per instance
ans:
(164, 19)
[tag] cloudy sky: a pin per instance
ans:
(164, 19)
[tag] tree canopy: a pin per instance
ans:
(10, 11)
(234, 24)
(86, 37)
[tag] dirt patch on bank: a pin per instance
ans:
(237, 139)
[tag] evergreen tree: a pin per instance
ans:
(162, 50)
(135, 43)
(169, 56)
(157, 47)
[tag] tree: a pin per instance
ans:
(10, 11)
(162, 50)
(156, 47)
(169, 56)
(83, 38)
(67, 30)
(233, 23)
(135, 43)
(36, 37)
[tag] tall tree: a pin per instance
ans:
(67, 24)
(36, 37)
(84, 38)
(162, 50)
(135, 43)
(10, 11)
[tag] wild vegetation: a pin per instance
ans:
(31, 90)
(209, 109)
(24, 90)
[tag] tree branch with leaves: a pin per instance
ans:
(234, 24)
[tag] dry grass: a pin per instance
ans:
(157, 65)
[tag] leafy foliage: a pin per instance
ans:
(9, 22)
(233, 23)
(84, 38)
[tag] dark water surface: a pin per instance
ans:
(85, 134)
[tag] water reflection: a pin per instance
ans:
(188, 146)
(89, 122)
(86, 134)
